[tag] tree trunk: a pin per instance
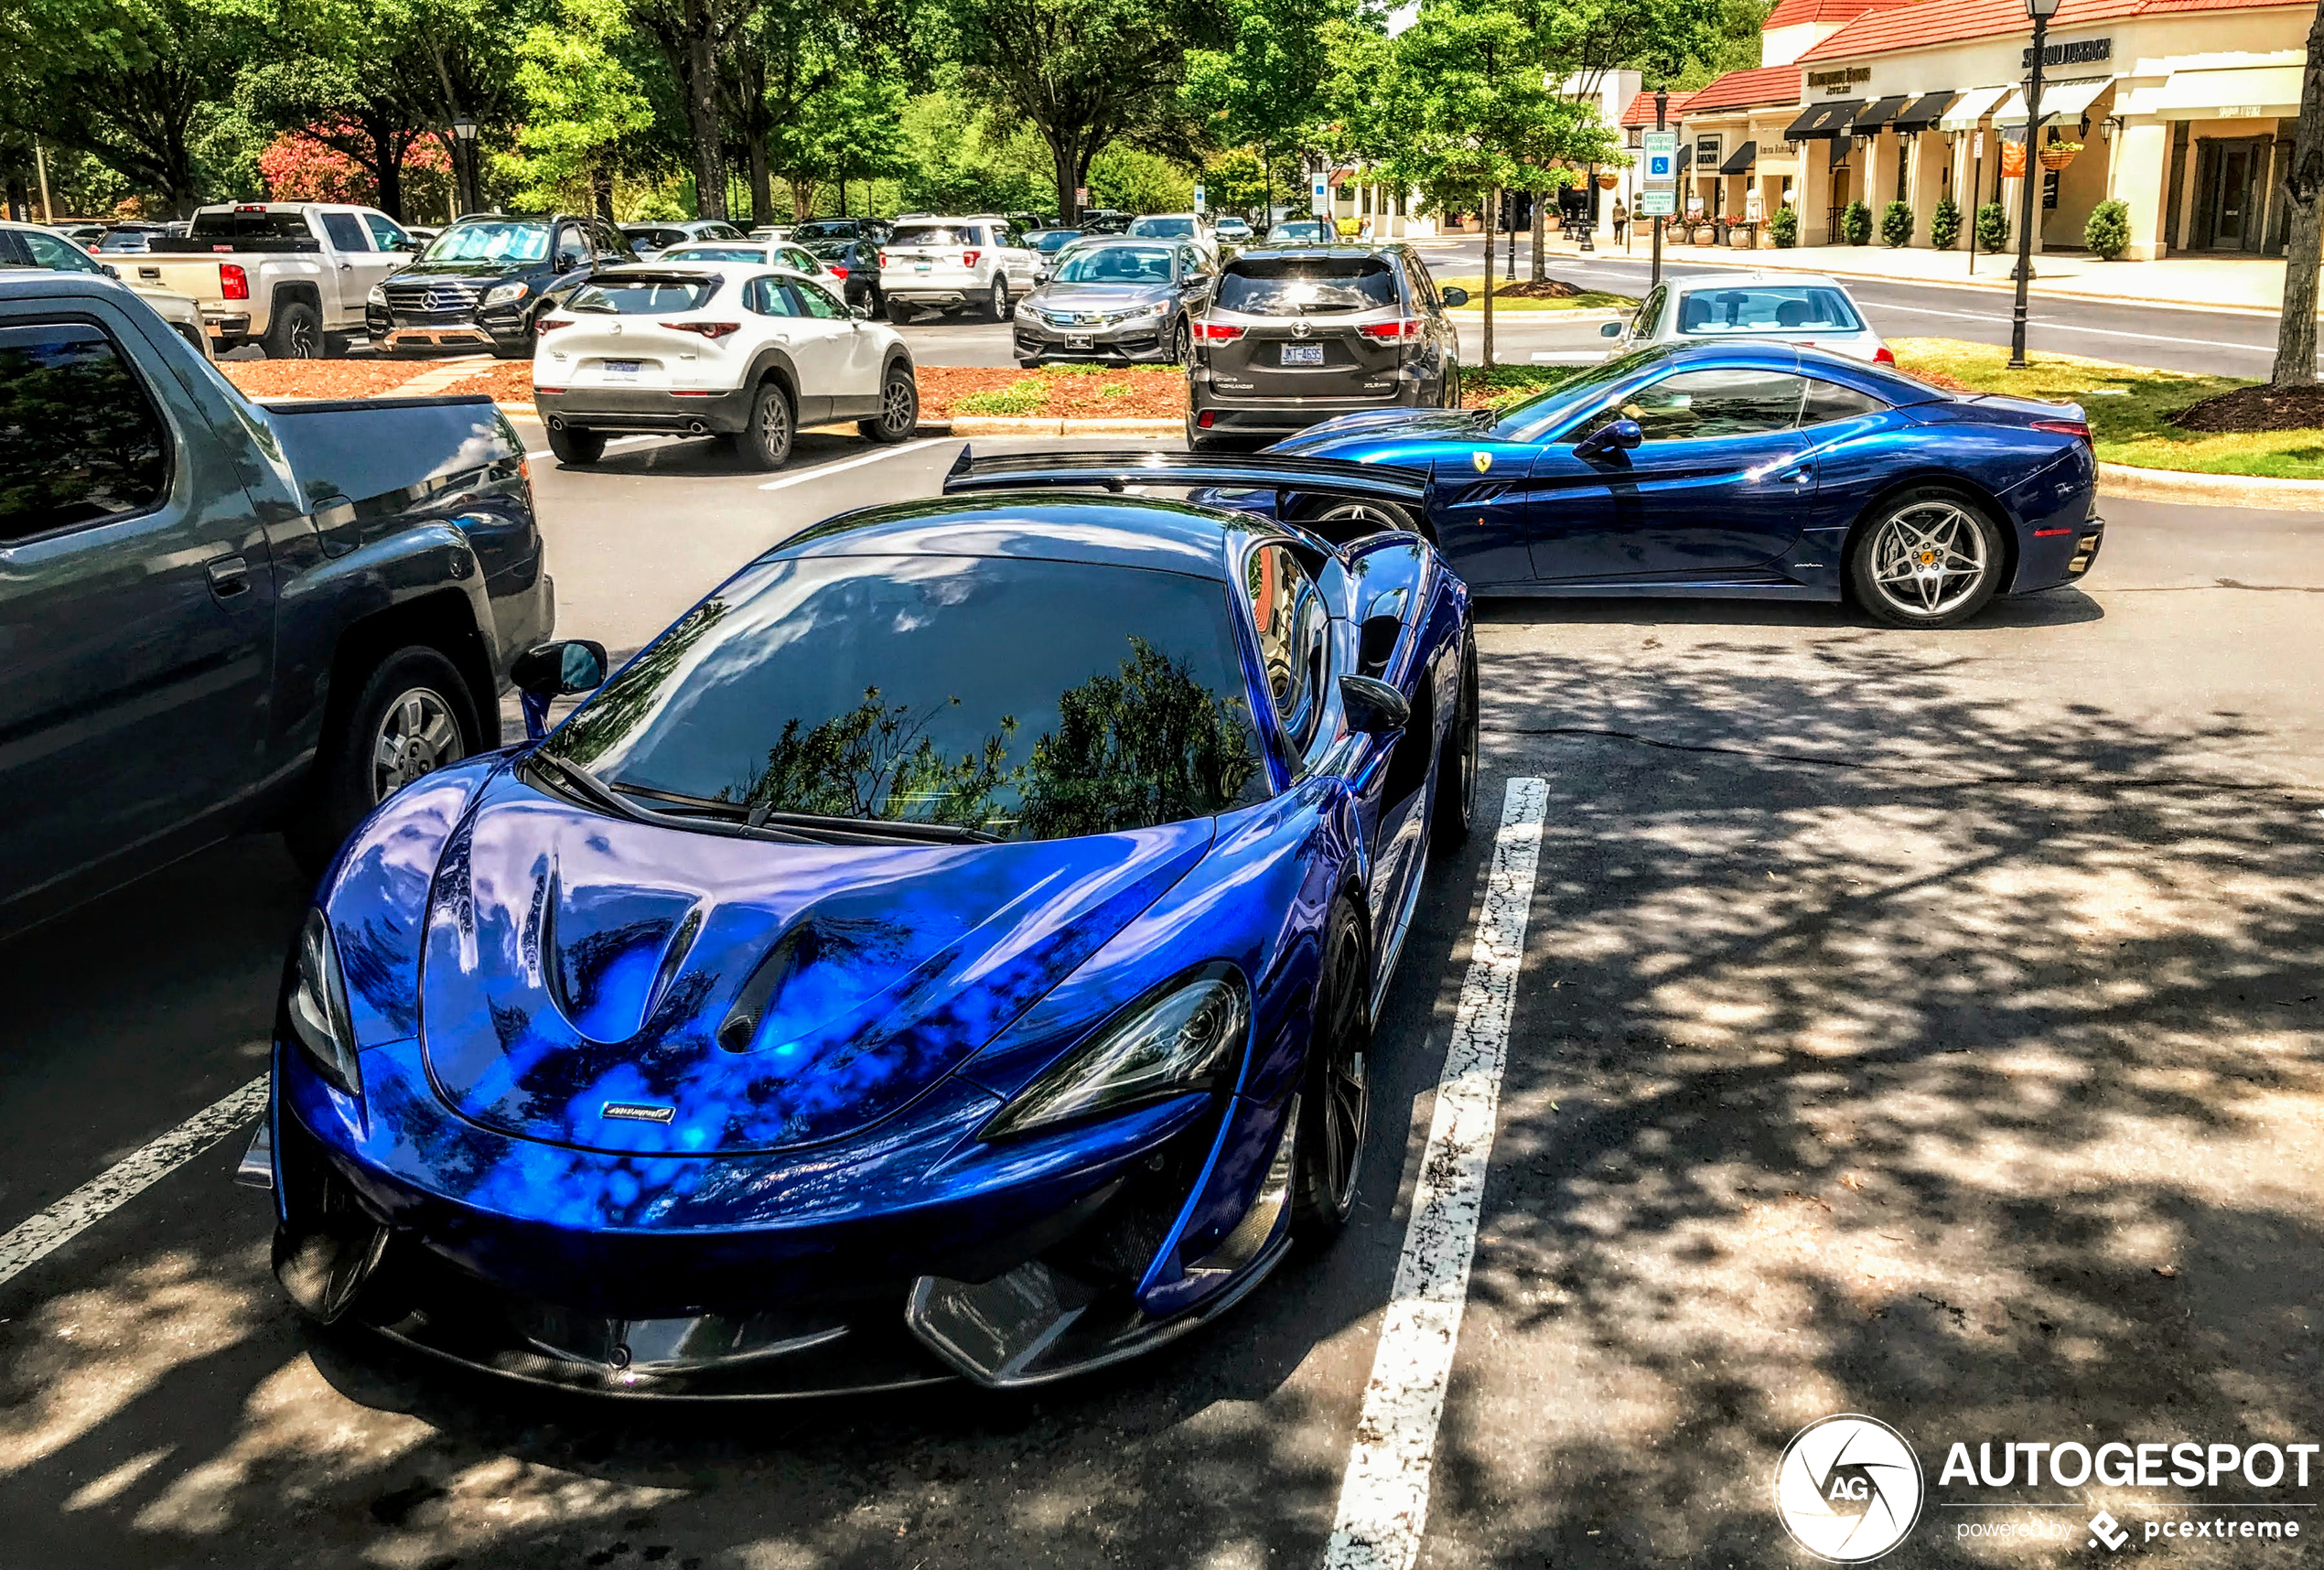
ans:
(762, 184)
(601, 191)
(387, 174)
(1541, 237)
(2304, 184)
(702, 112)
(1492, 210)
(1068, 163)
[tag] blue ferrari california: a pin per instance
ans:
(1752, 469)
(948, 950)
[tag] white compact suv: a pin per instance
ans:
(745, 353)
(940, 263)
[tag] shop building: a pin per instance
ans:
(2182, 109)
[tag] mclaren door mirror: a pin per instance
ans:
(551, 670)
(1617, 436)
(1375, 708)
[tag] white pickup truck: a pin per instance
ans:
(289, 276)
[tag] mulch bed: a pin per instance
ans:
(1112, 393)
(1546, 289)
(2259, 408)
(322, 378)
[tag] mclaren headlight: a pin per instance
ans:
(318, 1006)
(1187, 1035)
(378, 297)
(505, 294)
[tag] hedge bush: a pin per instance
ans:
(1944, 224)
(2108, 231)
(1993, 227)
(1896, 225)
(1785, 227)
(1856, 223)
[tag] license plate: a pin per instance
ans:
(1303, 354)
(1076, 340)
(923, 266)
(624, 367)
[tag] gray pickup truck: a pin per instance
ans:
(291, 277)
(218, 616)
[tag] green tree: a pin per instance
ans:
(1139, 181)
(1272, 83)
(962, 158)
(1081, 72)
(587, 118)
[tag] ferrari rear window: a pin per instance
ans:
(1302, 285)
(642, 296)
(1028, 700)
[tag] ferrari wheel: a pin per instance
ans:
(1455, 805)
(1334, 1109)
(1928, 559)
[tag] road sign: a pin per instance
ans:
(1319, 197)
(1660, 149)
(1198, 199)
(1081, 195)
(1657, 204)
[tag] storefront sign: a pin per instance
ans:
(2082, 51)
(1842, 77)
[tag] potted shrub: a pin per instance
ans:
(2108, 231)
(2058, 155)
(1944, 224)
(1856, 223)
(1993, 227)
(1896, 225)
(1785, 227)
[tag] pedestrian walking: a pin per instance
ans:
(1621, 221)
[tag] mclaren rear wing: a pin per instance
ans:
(1284, 474)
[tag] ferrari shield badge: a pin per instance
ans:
(1483, 461)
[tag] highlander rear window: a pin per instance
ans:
(639, 295)
(1297, 287)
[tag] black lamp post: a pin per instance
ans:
(2040, 11)
(1661, 103)
(464, 143)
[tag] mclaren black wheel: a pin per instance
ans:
(1335, 1103)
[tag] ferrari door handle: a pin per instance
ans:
(229, 575)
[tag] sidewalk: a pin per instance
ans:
(2239, 284)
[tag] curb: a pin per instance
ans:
(2211, 490)
(1029, 425)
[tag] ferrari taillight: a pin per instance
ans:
(2078, 429)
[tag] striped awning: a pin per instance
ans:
(1970, 108)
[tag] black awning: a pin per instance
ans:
(1923, 112)
(1741, 159)
(1873, 120)
(1825, 120)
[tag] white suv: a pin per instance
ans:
(940, 263)
(747, 353)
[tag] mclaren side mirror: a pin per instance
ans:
(549, 671)
(1375, 708)
(1610, 329)
(1454, 297)
(1618, 435)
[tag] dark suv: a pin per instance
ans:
(1298, 334)
(480, 283)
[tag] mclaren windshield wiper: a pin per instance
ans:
(579, 782)
(818, 825)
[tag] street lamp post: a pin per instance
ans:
(2040, 11)
(1661, 105)
(464, 144)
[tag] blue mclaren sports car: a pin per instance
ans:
(948, 951)
(1752, 469)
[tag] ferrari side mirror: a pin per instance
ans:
(1375, 708)
(1617, 436)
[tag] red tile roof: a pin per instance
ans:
(1747, 90)
(1641, 108)
(1950, 21)
(1790, 12)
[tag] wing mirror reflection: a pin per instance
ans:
(1610, 329)
(1375, 708)
(549, 671)
(1617, 435)
(1454, 297)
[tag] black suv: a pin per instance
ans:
(1298, 334)
(482, 282)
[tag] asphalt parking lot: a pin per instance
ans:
(1919, 1025)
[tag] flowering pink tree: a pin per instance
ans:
(306, 166)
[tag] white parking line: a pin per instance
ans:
(1383, 1498)
(128, 1178)
(803, 476)
(2052, 326)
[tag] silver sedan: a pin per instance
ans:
(1807, 308)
